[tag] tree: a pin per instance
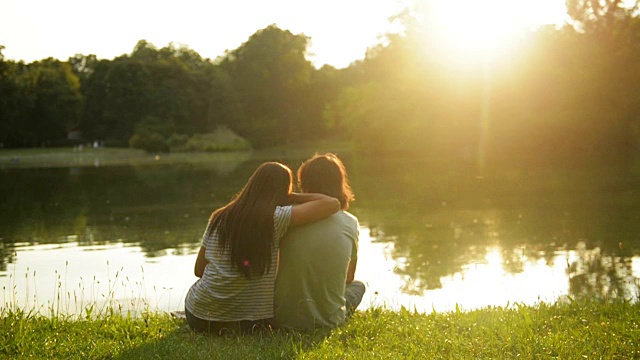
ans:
(611, 31)
(224, 108)
(95, 88)
(54, 101)
(11, 102)
(601, 17)
(166, 90)
(128, 98)
(271, 76)
(83, 66)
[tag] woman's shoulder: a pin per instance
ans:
(282, 214)
(282, 210)
(281, 220)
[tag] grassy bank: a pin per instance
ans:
(97, 157)
(69, 157)
(565, 331)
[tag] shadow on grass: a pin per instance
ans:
(183, 343)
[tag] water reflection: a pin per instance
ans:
(159, 207)
(7, 251)
(441, 219)
(431, 237)
(70, 276)
(594, 274)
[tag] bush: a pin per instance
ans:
(177, 141)
(222, 139)
(150, 143)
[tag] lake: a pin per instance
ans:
(433, 237)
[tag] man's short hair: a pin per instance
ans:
(326, 174)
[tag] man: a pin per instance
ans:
(315, 285)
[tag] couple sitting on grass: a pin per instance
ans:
(275, 258)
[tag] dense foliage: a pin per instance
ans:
(563, 95)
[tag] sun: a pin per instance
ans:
(476, 26)
(470, 30)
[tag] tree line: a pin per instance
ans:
(265, 90)
(567, 95)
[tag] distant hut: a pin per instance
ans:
(74, 133)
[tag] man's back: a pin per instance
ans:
(310, 285)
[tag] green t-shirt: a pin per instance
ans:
(313, 269)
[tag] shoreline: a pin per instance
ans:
(106, 156)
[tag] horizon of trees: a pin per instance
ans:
(569, 96)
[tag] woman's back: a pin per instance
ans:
(226, 294)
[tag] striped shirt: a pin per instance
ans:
(225, 294)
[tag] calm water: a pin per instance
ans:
(431, 237)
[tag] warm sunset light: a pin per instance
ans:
(36, 29)
(169, 168)
(467, 31)
(465, 27)
(481, 27)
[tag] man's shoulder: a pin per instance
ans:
(334, 224)
(348, 216)
(348, 219)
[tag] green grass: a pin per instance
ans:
(70, 157)
(574, 330)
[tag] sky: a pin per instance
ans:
(340, 30)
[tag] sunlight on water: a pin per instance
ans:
(95, 274)
(478, 285)
(127, 236)
(481, 285)
(68, 277)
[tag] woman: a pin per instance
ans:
(237, 261)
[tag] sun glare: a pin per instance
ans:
(471, 31)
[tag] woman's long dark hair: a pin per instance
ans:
(245, 225)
